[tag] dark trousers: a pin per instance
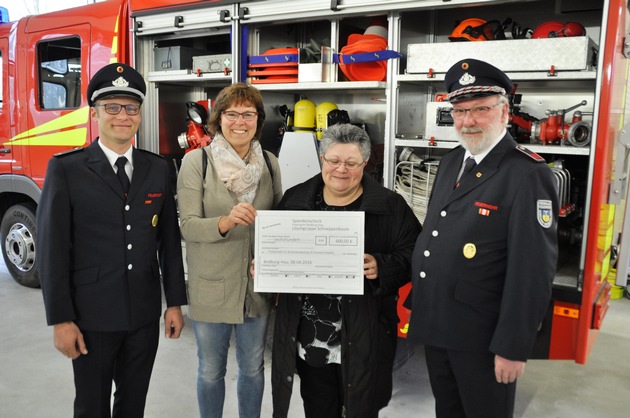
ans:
(464, 385)
(321, 389)
(126, 358)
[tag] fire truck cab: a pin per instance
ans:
(569, 59)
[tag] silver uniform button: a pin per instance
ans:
(422, 275)
(129, 247)
(435, 233)
(128, 227)
(126, 207)
(443, 213)
(427, 253)
(130, 266)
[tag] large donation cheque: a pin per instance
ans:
(309, 252)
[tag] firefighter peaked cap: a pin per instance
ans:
(373, 39)
(471, 79)
(115, 80)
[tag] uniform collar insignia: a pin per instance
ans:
(467, 79)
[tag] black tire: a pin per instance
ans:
(17, 236)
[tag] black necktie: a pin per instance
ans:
(469, 164)
(122, 174)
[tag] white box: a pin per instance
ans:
(437, 123)
(320, 71)
(515, 55)
(311, 72)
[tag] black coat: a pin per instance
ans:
(368, 339)
(97, 252)
(484, 264)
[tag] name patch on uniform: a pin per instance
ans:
(543, 213)
(154, 195)
(485, 209)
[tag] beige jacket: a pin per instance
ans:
(220, 287)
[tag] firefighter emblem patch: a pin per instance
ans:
(544, 214)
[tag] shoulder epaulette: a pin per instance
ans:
(68, 152)
(531, 154)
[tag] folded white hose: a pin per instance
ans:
(414, 181)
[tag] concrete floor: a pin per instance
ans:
(36, 381)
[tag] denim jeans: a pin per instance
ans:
(213, 342)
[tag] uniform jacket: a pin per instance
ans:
(485, 262)
(100, 254)
(369, 321)
(219, 283)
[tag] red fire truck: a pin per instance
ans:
(47, 60)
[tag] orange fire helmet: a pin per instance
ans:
(475, 29)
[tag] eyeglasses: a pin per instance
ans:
(475, 112)
(350, 165)
(247, 116)
(115, 108)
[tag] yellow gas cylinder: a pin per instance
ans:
(304, 116)
(321, 118)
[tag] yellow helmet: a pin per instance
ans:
(304, 116)
(322, 116)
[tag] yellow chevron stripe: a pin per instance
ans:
(73, 138)
(46, 136)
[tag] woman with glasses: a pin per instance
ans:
(217, 207)
(343, 346)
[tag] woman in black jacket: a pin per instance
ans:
(343, 346)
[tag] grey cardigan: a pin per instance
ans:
(220, 287)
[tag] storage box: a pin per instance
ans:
(175, 57)
(212, 63)
(515, 55)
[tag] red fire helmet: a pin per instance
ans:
(558, 30)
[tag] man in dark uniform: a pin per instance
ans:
(107, 228)
(483, 266)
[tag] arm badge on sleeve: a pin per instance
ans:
(543, 213)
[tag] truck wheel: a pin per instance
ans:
(18, 244)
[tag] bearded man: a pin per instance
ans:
(483, 266)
